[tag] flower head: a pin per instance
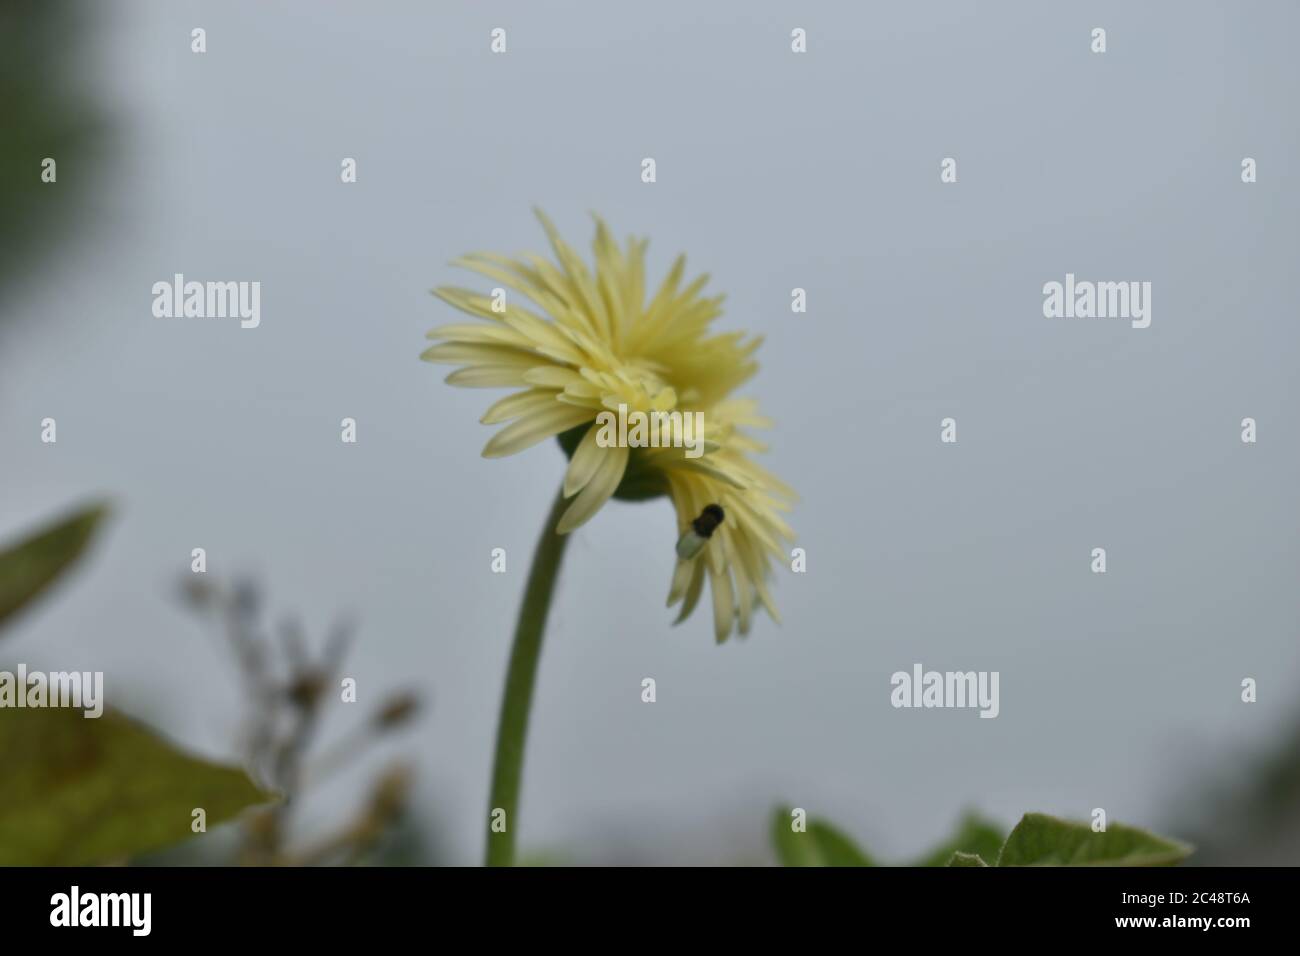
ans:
(596, 347)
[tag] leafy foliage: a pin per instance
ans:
(32, 565)
(1038, 840)
(820, 844)
(51, 110)
(81, 791)
(78, 790)
(975, 836)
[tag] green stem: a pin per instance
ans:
(517, 701)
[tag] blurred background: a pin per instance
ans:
(775, 171)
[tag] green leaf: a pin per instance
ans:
(79, 791)
(966, 859)
(32, 565)
(820, 844)
(974, 836)
(1040, 840)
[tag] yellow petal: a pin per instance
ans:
(457, 353)
(552, 376)
(744, 590)
(723, 601)
(520, 403)
(665, 401)
(467, 300)
(613, 462)
(538, 426)
(693, 591)
(582, 466)
(488, 376)
(683, 573)
(480, 333)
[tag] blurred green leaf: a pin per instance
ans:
(52, 109)
(545, 858)
(966, 859)
(1040, 840)
(79, 791)
(32, 565)
(974, 835)
(819, 845)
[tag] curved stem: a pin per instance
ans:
(517, 700)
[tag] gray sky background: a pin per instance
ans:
(774, 171)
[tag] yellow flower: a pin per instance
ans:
(596, 345)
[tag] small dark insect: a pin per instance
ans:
(708, 520)
(697, 536)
